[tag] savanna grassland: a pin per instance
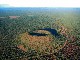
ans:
(39, 33)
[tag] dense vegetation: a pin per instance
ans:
(66, 21)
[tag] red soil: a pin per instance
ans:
(13, 17)
(22, 47)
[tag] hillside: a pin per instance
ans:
(39, 33)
